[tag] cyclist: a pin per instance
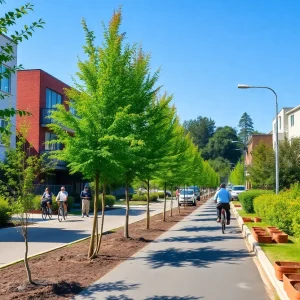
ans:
(47, 199)
(222, 198)
(63, 196)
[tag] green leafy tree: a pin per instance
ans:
(200, 129)
(246, 128)
(20, 172)
(221, 167)
(289, 162)
(220, 145)
(262, 170)
(98, 148)
(7, 50)
(237, 174)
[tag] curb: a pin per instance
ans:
(264, 261)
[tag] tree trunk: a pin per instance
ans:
(102, 220)
(178, 203)
(165, 203)
(95, 221)
(24, 229)
(126, 229)
(148, 206)
(171, 204)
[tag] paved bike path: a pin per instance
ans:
(193, 260)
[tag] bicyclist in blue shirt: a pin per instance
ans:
(222, 198)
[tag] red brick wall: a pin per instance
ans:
(31, 96)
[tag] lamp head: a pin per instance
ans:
(243, 86)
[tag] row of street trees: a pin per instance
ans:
(123, 128)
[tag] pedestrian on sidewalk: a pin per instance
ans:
(222, 198)
(86, 197)
(177, 194)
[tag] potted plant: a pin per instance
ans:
(280, 237)
(287, 277)
(293, 290)
(257, 219)
(282, 267)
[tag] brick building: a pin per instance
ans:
(252, 143)
(38, 92)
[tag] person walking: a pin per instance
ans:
(86, 197)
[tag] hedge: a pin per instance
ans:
(282, 210)
(143, 197)
(246, 199)
(4, 211)
(109, 201)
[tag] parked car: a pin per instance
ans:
(196, 190)
(236, 190)
(187, 196)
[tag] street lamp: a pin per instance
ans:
(245, 86)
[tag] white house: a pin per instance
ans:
(293, 117)
(8, 88)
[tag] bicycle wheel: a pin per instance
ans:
(49, 212)
(60, 213)
(223, 221)
(44, 213)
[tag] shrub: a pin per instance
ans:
(137, 197)
(153, 197)
(161, 195)
(109, 201)
(246, 199)
(36, 203)
(5, 212)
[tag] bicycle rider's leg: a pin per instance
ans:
(227, 208)
(65, 207)
(219, 208)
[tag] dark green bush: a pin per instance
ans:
(5, 212)
(109, 201)
(153, 197)
(161, 195)
(246, 199)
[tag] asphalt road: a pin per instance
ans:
(48, 234)
(193, 260)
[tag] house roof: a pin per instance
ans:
(293, 110)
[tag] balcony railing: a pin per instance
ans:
(45, 116)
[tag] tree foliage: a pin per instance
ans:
(200, 129)
(7, 50)
(262, 170)
(221, 167)
(237, 176)
(246, 128)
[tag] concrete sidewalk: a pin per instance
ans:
(193, 260)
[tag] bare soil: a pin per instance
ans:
(62, 273)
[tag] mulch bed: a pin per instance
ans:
(62, 273)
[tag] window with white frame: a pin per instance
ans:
(5, 79)
(292, 120)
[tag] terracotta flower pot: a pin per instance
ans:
(289, 277)
(282, 267)
(263, 238)
(293, 290)
(257, 219)
(247, 220)
(277, 231)
(280, 238)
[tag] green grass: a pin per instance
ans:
(123, 202)
(236, 202)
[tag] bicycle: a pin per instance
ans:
(223, 219)
(46, 211)
(61, 211)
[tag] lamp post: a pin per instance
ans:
(245, 86)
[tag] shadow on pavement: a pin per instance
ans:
(200, 228)
(199, 258)
(199, 239)
(173, 298)
(118, 286)
(45, 235)
(119, 297)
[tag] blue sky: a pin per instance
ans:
(204, 47)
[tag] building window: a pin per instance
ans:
(5, 79)
(279, 122)
(52, 98)
(292, 120)
(71, 108)
(50, 137)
